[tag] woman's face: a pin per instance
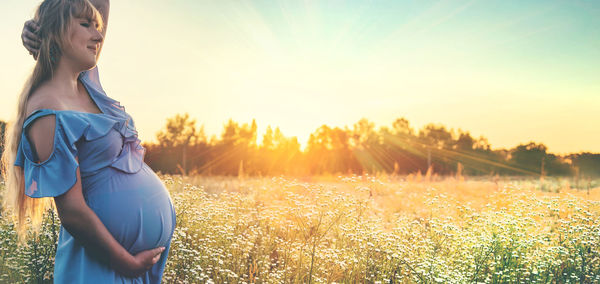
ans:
(85, 40)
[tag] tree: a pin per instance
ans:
(181, 131)
(402, 126)
(328, 150)
(529, 157)
(267, 142)
(363, 134)
(278, 154)
(588, 164)
(237, 148)
(234, 134)
(437, 136)
(464, 142)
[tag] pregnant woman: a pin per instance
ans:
(72, 142)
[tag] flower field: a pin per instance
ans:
(362, 229)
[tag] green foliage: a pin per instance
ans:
(32, 262)
(285, 231)
(361, 149)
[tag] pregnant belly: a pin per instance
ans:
(135, 208)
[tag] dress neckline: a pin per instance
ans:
(54, 111)
(66, 110)
(89, 93)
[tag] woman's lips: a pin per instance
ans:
(93, 49)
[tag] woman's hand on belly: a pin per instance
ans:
(136, 265)
(83, 224)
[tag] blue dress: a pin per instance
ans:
(127, 196)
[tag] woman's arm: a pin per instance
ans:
(79, 220)
(31, 41)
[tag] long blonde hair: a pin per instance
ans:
(54, 18)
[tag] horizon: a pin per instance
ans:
(511, 72)
(377, 128)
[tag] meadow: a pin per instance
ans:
(362, 229)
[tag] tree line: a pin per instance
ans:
(183, 148)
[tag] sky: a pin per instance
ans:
(511, 71)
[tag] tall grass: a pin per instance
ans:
(365, 229)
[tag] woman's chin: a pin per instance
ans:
(90, 65)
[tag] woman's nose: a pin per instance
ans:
(98, 37)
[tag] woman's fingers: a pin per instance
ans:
(31, 36)
(155, 259)
(147, 258)
(32, 25)
(30, 39)
(32, 50)
(157, 253)
(31, 45)
(151, 256)
(31, 29)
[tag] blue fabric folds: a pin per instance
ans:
(132, 156)
(57, 174)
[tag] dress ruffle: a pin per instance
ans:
(132, 157)
(57, 174)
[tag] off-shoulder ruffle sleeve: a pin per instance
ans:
(57, 174)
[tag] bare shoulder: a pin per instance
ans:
(44, 97)
(41, 131)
